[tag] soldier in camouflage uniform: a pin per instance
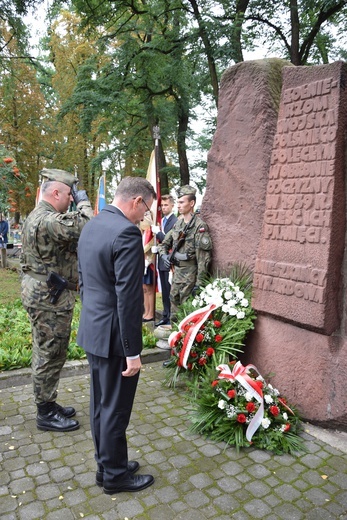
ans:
(193, 256)
(49, 244)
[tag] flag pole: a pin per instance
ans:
(156, 136)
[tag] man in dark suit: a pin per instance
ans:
(111, 266)
(169, 219)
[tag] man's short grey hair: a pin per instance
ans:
(132, 187)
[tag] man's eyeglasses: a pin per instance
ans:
(147, 208)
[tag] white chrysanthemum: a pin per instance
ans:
(240, 315)
(265, 423)
(222, 404)
(232, 311)
(268, 399)
(285, 416)
(195, 303)
(244, 302)
(232, 302)
(270, 387)
(248, 396)
(228, 295)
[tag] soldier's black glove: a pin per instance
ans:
(166, 261)
(78, 195)
(195, 290)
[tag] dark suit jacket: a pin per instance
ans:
(160, 237)
(111, 266)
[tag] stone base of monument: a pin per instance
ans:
(311, 374)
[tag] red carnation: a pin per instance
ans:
(218, 338)
(193, 354)
(210, 351)
(274, 410)
(231, 394)
(190, 366)
(215, 382)
(199, 337)
(241, 418)
(259, 383)
(202, 361)
(286, 428)
(250, 407)
(217, 324)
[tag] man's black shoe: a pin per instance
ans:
(133, 466)
(162, 322)
(67, 411)
(130, 483)
(166, 363)
(50, 419)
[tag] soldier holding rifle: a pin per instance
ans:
(191, 247)
(49, 284)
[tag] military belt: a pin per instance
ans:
(43, 278)
(184, 263)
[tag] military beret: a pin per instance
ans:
(58, 176)
(186, 190)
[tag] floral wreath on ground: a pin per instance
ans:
(239, 407)
(216, 323)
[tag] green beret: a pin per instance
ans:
(186, 190)
(58, 176)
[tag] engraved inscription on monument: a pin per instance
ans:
(290, 275)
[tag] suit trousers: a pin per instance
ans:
(165, 292)
(111, 401)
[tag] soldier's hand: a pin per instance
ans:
(78, 195)
(166, 261)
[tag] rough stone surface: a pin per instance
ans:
(297, 274)
(308, 367)
(239, 159)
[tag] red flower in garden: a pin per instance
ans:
(210, 351)
(218, 338)
(202, 361)
(241, 418)
(199, 337)
(217, 324)
(231, 394)
(250, 407)
(215, 382)
(274, 410)
(286, 428)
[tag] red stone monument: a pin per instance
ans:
(299, 282)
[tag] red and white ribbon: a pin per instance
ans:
(194, 320)
(240, 374)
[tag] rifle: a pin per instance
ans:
(174, 257)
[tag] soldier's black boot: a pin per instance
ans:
(49, 418)
(67, 411)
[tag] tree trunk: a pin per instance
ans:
(295, 28)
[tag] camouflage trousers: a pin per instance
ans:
(50, 339)
(180, 292)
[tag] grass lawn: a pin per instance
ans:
(9, 286)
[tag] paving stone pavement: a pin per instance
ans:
(46, 475)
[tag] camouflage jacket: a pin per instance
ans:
(197, 245)
(49, 243)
